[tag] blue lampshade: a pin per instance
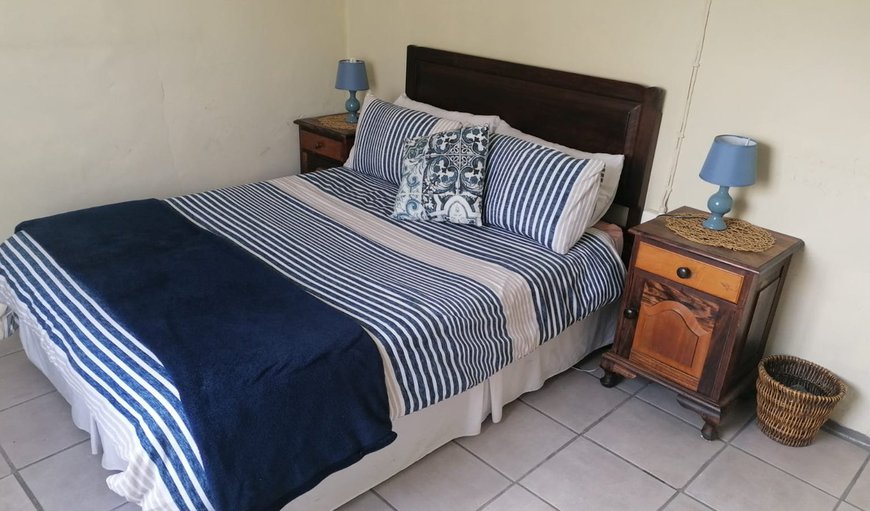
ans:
(731, 161)
(351, 75)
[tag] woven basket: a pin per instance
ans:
(795, 397)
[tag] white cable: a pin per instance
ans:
(663, 208)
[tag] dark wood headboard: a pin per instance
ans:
(584, 112)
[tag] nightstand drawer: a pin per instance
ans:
(685, 270)
(322, 145)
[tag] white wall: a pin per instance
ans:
(102, 101)
(794, 75)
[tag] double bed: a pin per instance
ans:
(465, 320)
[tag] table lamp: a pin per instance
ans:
(352, 77)
(730, 162)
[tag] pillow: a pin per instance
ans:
(613, 164)
(443, 177)
(381, 132)
(465, 118)
(540, 192)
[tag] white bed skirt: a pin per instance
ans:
(418, 433)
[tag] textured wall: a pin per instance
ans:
(102, 101)
(793, 74)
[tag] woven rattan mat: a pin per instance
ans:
(738, 234)
(337, 121)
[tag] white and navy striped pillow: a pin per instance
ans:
(540, 192)
(381, 134)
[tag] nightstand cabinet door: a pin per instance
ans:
(673, 331)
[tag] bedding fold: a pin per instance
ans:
(277, 388)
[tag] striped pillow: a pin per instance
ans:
(381, 133)
(540, 192)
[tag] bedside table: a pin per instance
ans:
(324, 141)
(696, 318)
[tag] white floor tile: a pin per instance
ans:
(12, 496)
(10, 345)
(523, 438)
(5, 470)
(368, 501)
(859, 495)
(575, 399)
(829, 463)
(73, 475)
(658, 442)
(585, 476)
(20, 380)
(685, 503)
(735, 418)
(449, 478)
(735, 481)
(845, 506)
(38, 428)
(518, 498)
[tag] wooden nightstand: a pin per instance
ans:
(324, 141)
(695, 318)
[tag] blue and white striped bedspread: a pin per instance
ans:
(449, 305)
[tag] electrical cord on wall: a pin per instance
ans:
(663, 207)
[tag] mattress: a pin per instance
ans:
(330, 232)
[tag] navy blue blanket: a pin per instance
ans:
(279, 389)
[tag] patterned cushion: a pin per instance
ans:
(381, 132)
(540, 192)
(443, 177)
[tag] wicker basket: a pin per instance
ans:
(795, 397)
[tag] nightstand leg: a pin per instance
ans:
(710, 431)
(610, 379)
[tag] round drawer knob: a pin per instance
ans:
(318, 145)
(684, 272)
(630, 313)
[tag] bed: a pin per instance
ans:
(596, 114)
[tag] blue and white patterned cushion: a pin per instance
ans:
(409, 200)
(540, 192)
(382, 130)
(455, 175)
(443, 177)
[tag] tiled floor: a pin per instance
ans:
(573, 445)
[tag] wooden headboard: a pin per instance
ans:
(584, 112)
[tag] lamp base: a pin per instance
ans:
(352, 107)
(719, 204)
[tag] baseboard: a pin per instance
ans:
(847, 434)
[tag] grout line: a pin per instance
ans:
(21, 482)
(497, 495)
(54, 453)
(385, 501)
(855, 479)
(633, 464)
(784, 471)
(19, 350)
(52, 391)
(548, 458)
(665, 505)
(627, 397)
(469, 451)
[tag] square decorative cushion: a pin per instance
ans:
(380, 135)
(540, 192)
(443, 177)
